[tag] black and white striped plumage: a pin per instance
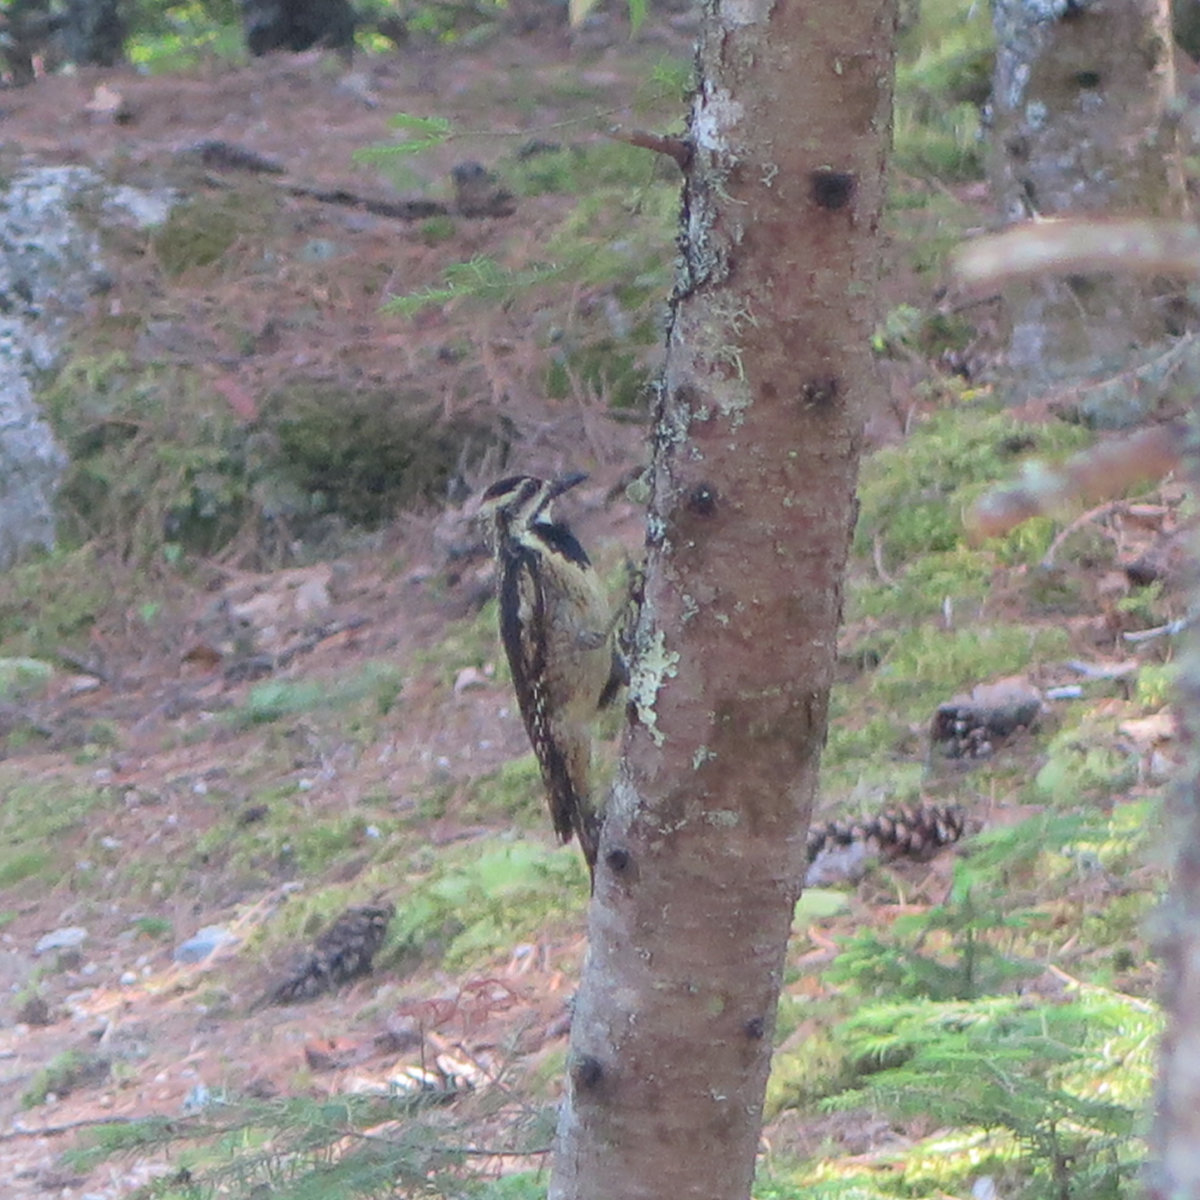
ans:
(556, 628)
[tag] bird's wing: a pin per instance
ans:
(524, 636)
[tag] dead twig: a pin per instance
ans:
(880, 569)
(680, 149)
(1101, 510)
(67, 1127)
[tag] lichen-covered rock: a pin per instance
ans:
(50, 263)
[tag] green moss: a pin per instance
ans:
(476, 904)
(913, 495)
(1083, 765)
(157, 457)
(373, 689)
(1155, 685)
(366, 455)
(66, 1073)
(196, 234)
(513, 791)
(34, 818)
(53, 602)
(943, 77)
(920, 588)
(927, 663)
(436, 230)
(282, 846)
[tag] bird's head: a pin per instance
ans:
(518, 502)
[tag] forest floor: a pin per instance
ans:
(164, 783)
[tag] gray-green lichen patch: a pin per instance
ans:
(735, 13)
(715, 115)
(653, 666)
(51, 263)
(723, 818)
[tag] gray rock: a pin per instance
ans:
(50, 264)
(202, 943)
(67, 938)
(971, 726)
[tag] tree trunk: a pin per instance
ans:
(1175, 1146)
(755, 461)
(1080, 93)
(1174, 1170)
(94, 32)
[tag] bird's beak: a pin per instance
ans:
(566, 483)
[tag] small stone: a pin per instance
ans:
(970, 726)
(202, 943)
(66, 938)
(469, 677)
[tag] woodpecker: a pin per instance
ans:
(557, 630)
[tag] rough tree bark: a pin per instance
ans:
(1174, 1169)
(1081, 90)
(94, 32)
(755, 460)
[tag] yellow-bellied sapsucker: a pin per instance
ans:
(557, 630)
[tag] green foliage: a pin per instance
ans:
(479, 279)
(282, 846)
(928, 662)
(367, 455)
(422, 133)
(171, 37)
(155, 928)
(513, 790)
(961, 574)
(23, 677)
(907, 331)
(1144, 607)
(472, 907)
(938, 1034)
(955, 951)
(1082, 763)
(583, 169)
(196, 234)
(376, 685)
(971, 946)
(943, 77)
(51, 602)
(601, 368)
(160, 466)
(615, 246)
(912, 495)
(156, 459)
(1155, 685)
(1043, 1073)
(63, 1074)
(304, 1149)
(34, 819)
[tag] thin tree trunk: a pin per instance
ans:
(1080, 94)
(755, 461)
(1174, 1172)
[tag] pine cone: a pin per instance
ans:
(342, 953)
(914, 831)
